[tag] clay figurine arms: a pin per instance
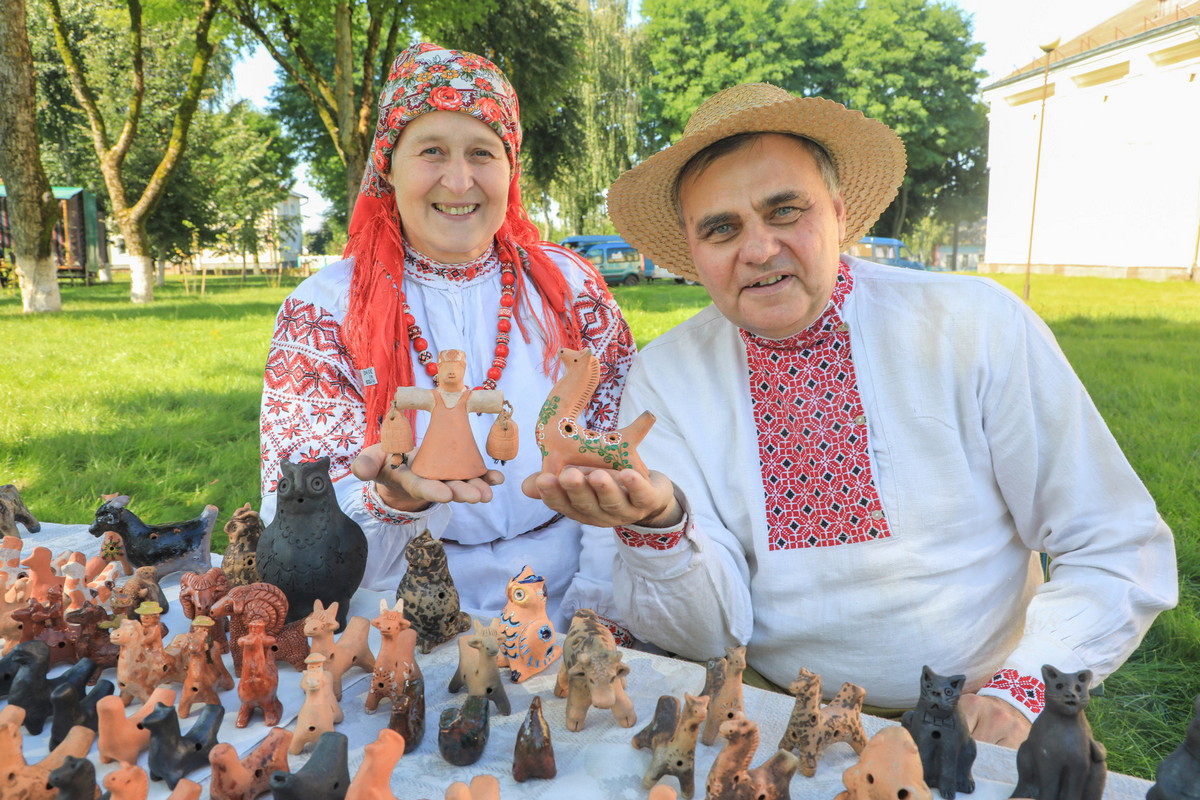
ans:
(606, 498)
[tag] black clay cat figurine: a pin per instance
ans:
(939, 728)
(311, 550)
(1178, 776)
(1060, 760)
(430, 599)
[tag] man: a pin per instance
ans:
(863, 462)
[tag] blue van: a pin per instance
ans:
(617, 260)
(883, 250)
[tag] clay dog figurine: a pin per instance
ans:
(527, 643)
(430, 598)
(1060, 760)
(811, 728)
(247, 778)
(325, 776)
(533, 756)
(731, 777)
(888, 767)
(350, 649)
(592, 673)
(939, 728)
(14, 510)
(171, 548)
(672, 737)
(1178, 776)
(477, 667)
(173, 755)
(239, 562)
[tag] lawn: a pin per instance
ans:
(161, 402)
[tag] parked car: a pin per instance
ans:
(617, 260)
(883, 250)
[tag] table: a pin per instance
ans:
(597, 763)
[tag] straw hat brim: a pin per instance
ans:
(868, 155)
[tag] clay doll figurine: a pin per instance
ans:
(122, 738)
(325, 776)
(672, 737)
(533, 756)
(430, 598)
(1178, 776)
(448, 451)
(173, 755)
(560, 433)
(463, 732)
(724, 680)
(373, 779)
(1060, 760)
(244, 530)
(31, 688)
(206, 673)
(112, 550)
(320, 711)
(75, 779)
(477, 667)
(730, 774)
(70, 709)
(175, 547)
(939, 728)
(311, 550)
(268, 603)
(408, 713)
(592, 673)
(812, 728)
(197, 593)
(247, 778)
(483, 787)
(888, 767)
(396, 660)
(260, 676)
(13, 510)
(351, 648)
(526, 634)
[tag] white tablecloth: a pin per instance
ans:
(596, 763)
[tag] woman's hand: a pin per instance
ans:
(403, 490)
(605, 498)
(992, 720)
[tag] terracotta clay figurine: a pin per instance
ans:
(672, 737)
(448, 452)
(206, 673)
(14, 595)
(112, 550)
(939, 728)
(75, 589)
(25, 781)
(350, 649)
(31, 688)
(171, 548)
(663, 792)
(172, 754)
(10, 557)
(724, 685)
(320, 711)
(71, 709)
(123, 738)
(14, 510)
(731, 774)
(260, 676)
(127, 782)
(533, 756)
(1060, 760)
(483, 787)
(75, 779)
(103, 584)
(408, 713)
(239, 561)
(44, 622)
(268, 603)
(311, 550)
(888, 767)
(249, 777)
(143, 587)
(811, 728)
(527, 643)
(477, 667)
(41, 574)
(197, 593)
(430, 598)
(325, 776)
(396, 660)
(592, 673)
(1178, 776)
(143, 664)
(463, 732)
(560, 433)
(92, 640)
(374, 776)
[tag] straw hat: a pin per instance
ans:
(868, 155)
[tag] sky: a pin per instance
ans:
(1010, 30)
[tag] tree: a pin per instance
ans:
(131, 217)
(31, 205)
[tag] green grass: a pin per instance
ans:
(161, 402)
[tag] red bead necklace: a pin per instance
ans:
(508, 289)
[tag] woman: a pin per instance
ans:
(442, 256)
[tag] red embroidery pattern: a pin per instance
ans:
(424, 266)
(381, 511)
(622, 637)
(1025, 689)
(812, 435)
(654, 541)
(607, 334)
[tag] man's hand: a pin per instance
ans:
(605, 498)
(995, 721)
(405, 491)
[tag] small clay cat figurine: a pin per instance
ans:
(939, 728)
(430, 599)
(1178, 776)
(311, 550)
(1060, 760)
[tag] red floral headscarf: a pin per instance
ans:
(425, 78)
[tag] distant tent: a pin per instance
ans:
(85, 250)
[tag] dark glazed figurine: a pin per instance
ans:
(75, 779)
(430, 599)
(31, 688)
(311, 550)
(408, 713)
(171, 548)
(1178, 776)
(939, 728)
(243, 529)
(673, 739)
(71, 710)
(1060, 760)
(325, 776)
(463, 732)
(173, 755)
(143, 587)
(93, 641)
(13, 510)
(533, 756)
(731, 777)
(812, 728)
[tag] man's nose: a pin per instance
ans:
(760, 244)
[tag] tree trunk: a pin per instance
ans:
(160, 274)
(954, 253)
(901, 211)
(104, 274)
(141, 263)
(356, 165)
(31, 205)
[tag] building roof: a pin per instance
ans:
(60, 192)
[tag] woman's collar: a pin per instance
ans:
(427, 270)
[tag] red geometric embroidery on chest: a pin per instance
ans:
(812, 440)
(1025, 689)
(610, 340)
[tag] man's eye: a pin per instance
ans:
(786, 211)
(720, 230)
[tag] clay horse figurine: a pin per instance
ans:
(939, 728)
(1060, 760)
(171, 548)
